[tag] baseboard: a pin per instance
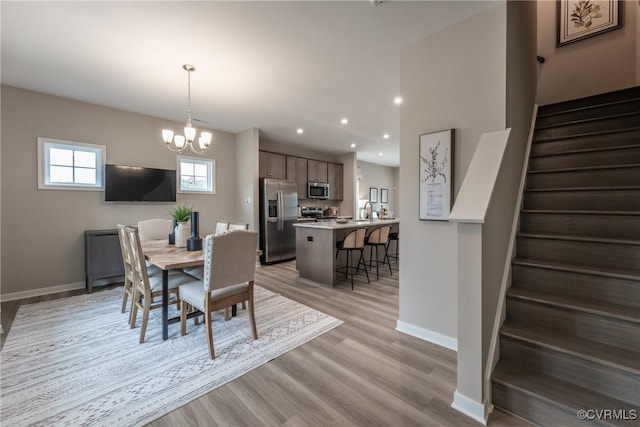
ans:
(42, 291)
(427, 335)
(471, 408)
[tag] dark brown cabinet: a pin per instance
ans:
(272, 165)
(335, 173)
(102, 256)
(297, 171)
(317, 171)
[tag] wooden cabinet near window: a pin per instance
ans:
(317, 171)
(272, 165)
(335, 173)
(297, 171)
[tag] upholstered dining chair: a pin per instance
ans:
(237, 226)
(154, 229)
(221, 227)
(147, 287)
(229, 266)
(128, 268)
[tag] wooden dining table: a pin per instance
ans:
(167, 257)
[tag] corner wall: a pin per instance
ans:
(452, 79)
(43, 230)
(598, 64)
(247, 171)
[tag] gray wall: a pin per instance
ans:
(247, 202)
(43, 230)
(601, 63)
(452, 79)
(378, 176)
(349, 164)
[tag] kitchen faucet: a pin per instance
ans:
(370, 210)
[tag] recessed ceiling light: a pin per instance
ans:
(300, 130)
(344, 121)
(385, 136)
(353, 145)
(397, 100)
(380, 153)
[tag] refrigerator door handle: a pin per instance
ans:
(280, 211)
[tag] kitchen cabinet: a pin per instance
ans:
(297, 171)
(317, 171)
(335, 179)
(272, 165)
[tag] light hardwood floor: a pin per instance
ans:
(361, 373)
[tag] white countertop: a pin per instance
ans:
(332, 225)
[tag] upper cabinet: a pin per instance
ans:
(336, 181)
(273, 165)
(317, 171)
(297, 171)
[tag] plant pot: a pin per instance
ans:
(434, 199)
(183, 230)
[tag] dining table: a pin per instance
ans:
(169, 257)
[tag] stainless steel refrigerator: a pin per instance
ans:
(278, 213)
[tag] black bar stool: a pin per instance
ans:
(354, 241)
(395, 236)
(379, 237)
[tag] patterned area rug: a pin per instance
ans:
(74, 361)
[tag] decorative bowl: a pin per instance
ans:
(342, 220)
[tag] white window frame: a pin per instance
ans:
(211, 169)
(44, 144)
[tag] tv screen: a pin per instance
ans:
(138, 184)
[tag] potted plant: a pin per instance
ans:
(181, 215)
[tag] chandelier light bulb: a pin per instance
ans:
(205, 139)
(179, 141)
(189, 132)
(167, 136)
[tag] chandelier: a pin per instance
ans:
(182, 143)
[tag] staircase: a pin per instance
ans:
(571, 338)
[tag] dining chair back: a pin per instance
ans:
(221, 227)
(154, 229)
(147, 287)
(238, 226)
(229, 271)
(128, 268)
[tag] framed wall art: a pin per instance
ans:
(373, 194)
(384, 195)
(436, 175)
(579, 19)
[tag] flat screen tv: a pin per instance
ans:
(138, 184)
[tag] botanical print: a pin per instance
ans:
(584, 12)
(579, 19)
(436, 175)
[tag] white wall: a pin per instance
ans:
(601, 63)
(43, 230)
(452, 79)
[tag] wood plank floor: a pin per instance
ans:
(361, 373)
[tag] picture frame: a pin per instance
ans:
(384, 195)
(435, 158)
(578, 20)
(373, 194)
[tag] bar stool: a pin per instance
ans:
(379, 237)
(395, 236)
(354, 241)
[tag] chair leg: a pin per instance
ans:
(370, 256)
(386, 257)
(364, 264)
(209, 331)
(244, 305)
(133, 316)
(252, 317)
(145, 319)
(125, 295)
(377, 263)
(227, 314)
(183, 317)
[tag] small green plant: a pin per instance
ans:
(181, 213)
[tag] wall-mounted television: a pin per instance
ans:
(138, 184)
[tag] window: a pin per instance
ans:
(67, 165)
(196, 175)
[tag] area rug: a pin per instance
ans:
(74, 361)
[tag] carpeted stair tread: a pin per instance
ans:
(578, 212)
(610, 272)
(537, 140)
(630, 241)
(589, 150)
(585, 120)
(585, 168)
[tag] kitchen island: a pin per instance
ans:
(316, 247)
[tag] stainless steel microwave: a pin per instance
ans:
(317, 190)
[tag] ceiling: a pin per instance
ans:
(276, 66)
